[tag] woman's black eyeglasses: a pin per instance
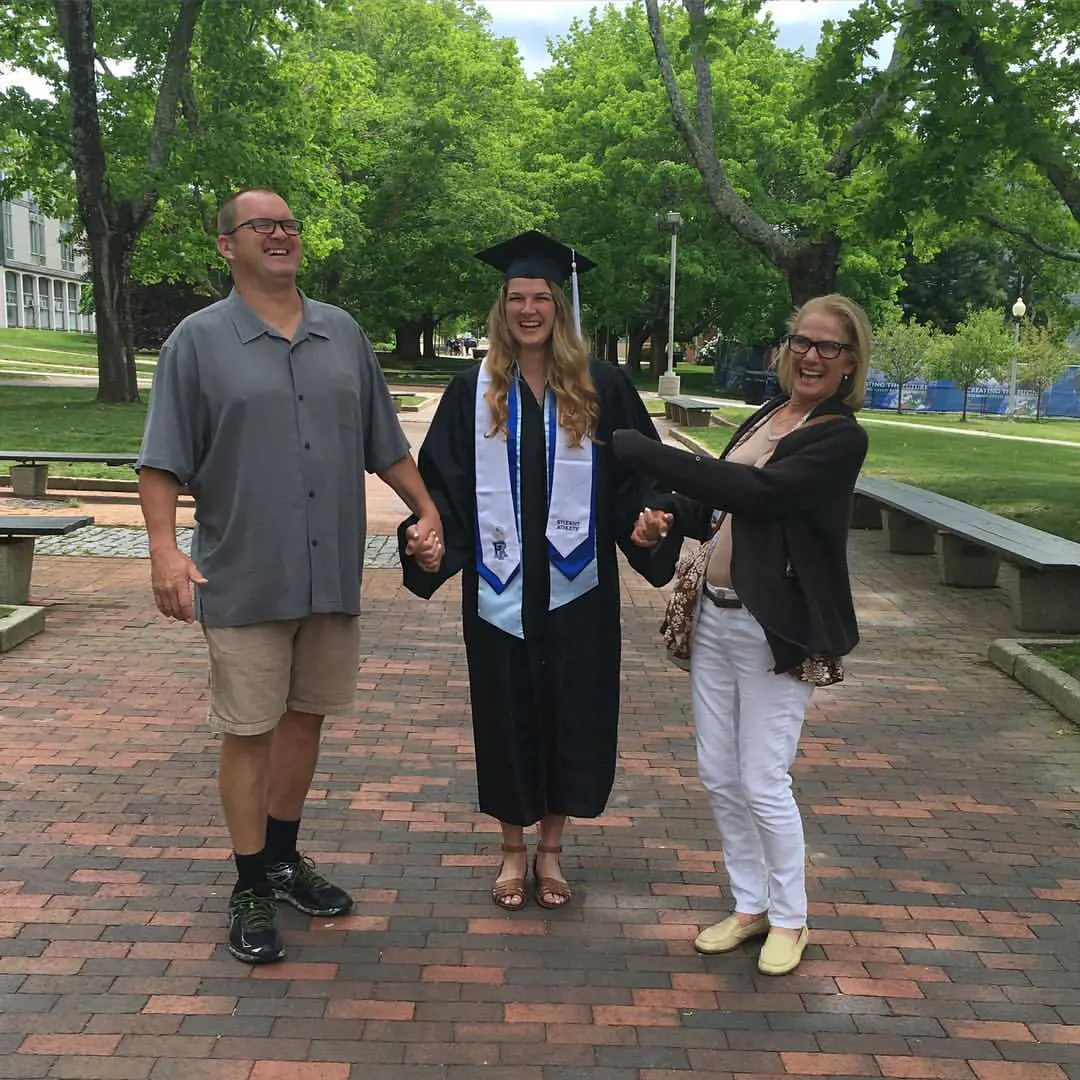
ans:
(827, 350)
(265, 226)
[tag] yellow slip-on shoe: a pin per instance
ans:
(730, 934)
(782, 953)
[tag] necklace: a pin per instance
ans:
(798, 424)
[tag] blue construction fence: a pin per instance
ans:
(984, 399)
(743, 370)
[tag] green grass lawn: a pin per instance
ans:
(1066, 656)
(1029, 482)
(1058, 430)
(436, 373)
(58, 351)
(65, 418)
(17, 342)
(695, 380)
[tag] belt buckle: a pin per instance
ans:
(722, 596)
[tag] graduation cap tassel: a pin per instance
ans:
(574, 291)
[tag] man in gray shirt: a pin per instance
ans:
(270, 407)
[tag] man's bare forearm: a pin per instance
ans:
(404, 477)
(157, 497)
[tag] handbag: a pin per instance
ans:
(678, 625)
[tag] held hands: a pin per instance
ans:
(424, 542)
(172, 574)
(651, 527)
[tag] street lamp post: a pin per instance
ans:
(1019, 310)
(669, 382)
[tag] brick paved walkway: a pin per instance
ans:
(943, 817)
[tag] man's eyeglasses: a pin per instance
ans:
(827, 350)
(265, 226)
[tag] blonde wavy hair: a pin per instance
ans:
(575, 394)
(859, 337)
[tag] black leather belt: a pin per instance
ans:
(721, 597)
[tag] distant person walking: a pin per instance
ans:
(269, 407)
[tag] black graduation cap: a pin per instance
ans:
(532, 254)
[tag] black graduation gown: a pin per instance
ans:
(544, 708)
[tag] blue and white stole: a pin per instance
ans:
(571, 524)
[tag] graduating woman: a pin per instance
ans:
(518, 459)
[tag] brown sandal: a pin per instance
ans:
(510, 894)
(548, 886)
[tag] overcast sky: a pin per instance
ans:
(532, 22)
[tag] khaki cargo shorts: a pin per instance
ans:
(259, 672)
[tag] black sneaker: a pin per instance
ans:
(300, 884)
(253, 934)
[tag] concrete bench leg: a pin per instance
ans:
(1045, 601)
(698, 417)
(29, 481)
(966, 565)
(16, 562)
(865, 513)
(907, 535)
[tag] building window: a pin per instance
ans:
(45, 321)
(37, 236)
(9, 232)
(29, 307)
(11, 296)
(67, 248)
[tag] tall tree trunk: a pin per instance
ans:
(613, 348)
(111, 252)
(113, 225)
(811, 268)
(900, 397)
(428, 325)
(407, 341)
(635, 339)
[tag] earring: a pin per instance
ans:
(846, 384)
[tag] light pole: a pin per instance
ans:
(1019, 310)
(669, 382)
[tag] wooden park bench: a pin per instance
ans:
(17, 535)
(689, 411)
(971, 543)
(30, 468)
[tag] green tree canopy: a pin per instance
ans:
(441, 175)
(609, 168)
(981, 348)
(1044, 356)
(901, 350)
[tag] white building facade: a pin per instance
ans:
(43, 276)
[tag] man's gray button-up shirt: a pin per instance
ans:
(273, 438)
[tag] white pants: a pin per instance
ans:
(748, 722)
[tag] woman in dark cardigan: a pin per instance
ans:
(776, 612)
